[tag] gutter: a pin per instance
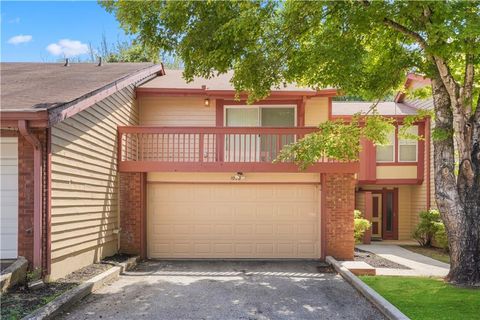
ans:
(23, 128)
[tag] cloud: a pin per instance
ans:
(20, 39)
(15, 20)
(68, 48)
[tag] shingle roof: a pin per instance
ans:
(34, 86)
(173, 79)
(341, 108)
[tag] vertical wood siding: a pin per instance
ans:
(85, 182)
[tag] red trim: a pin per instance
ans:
(421, 152)
(143, 219)
(65, 111)
(330, 116)
(301, 112)
(49, 202)
(428, 156)
(368, 215)
(323, 217)
(368, 171)
(154, 166)
(392, 182)
(37, 193)
(411, 78)
(181, 92)
(219, 116)
(396, 164)
(233, 182)
(36, 119)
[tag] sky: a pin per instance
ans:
(41, 31)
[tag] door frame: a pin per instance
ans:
(393, 235)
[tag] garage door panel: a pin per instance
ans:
(233, 221)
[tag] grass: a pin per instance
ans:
(434, 253)
(427, 298)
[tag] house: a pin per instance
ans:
(59, 179)
(395, 181)
(98, 159)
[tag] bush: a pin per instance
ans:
(360, 225)
(430, 224)
(441, 239)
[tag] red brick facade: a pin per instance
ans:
(25, 194)
(339, 205)
(132, 213)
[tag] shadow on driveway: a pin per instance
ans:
(226, 290)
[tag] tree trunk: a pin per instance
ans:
(457, 200)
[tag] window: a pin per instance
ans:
(407, 148)
(386, 153)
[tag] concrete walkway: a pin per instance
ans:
(420, 265)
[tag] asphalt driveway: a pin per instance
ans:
(225, 290)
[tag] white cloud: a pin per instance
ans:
(20, 39)
(68, 48)
(16, 20)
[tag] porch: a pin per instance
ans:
(215, 149)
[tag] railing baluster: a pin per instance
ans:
(200, 152)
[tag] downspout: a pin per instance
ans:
(429, 159)
(37, 193)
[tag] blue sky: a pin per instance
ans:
(47, 31)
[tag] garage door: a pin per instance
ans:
(8, 197)
(233, 221)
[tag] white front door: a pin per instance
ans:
(8, 197)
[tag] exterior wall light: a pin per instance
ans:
(206, 102)
(238, 176)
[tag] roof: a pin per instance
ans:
(387, 108)
(173, 79)
(40, 86)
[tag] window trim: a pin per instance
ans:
(394, 144)
(416, 146)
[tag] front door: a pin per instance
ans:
(389, 221)
(377, 216)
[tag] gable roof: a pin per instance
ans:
(27, 86)
(51, 89)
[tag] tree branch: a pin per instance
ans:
(415, 36)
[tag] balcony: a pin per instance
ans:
(213, 149)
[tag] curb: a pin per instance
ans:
(385, 307)
(70, 297)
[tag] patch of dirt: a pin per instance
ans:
(21, 301)
(376, 261)
(117, 258)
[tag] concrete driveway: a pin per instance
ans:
(226, 290)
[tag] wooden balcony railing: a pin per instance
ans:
(191, 149)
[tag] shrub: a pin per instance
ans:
(441, 239)
(428, 227)
(360, 225)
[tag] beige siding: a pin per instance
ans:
(85, 183)
(397, 172)
(316, 111)
(360, 201)
(176, 112)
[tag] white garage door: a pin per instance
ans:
(233, 221)
(8, 197)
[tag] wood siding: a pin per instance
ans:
(85, 183)
(316, 111)
(176, 112)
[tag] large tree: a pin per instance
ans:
(363, 48)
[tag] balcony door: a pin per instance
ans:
(256, 147)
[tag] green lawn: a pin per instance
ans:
(434, 253)
(427, 298)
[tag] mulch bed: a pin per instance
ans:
(20, 301)
(376, 261)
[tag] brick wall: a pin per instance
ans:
(339, 205)
(132, 213)
(25, 193)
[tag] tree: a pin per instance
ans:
(364, 48)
